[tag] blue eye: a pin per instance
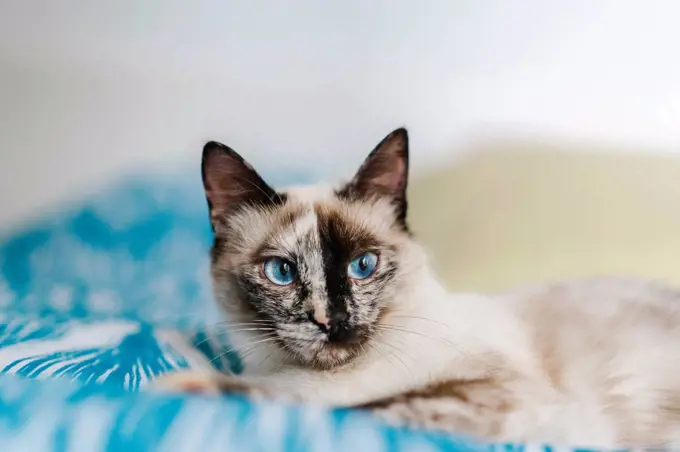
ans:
(362, 266)
(279, 271)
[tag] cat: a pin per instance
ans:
(332, 301)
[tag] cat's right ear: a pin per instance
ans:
(230, 183)
(384, 174)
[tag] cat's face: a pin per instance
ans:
(315, 268)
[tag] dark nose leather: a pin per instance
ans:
(340, 330)
(337, 329)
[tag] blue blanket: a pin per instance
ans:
(99, 300)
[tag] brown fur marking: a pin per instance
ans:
(463, 390)
(452, 405)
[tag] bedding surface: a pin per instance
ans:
(97, 301)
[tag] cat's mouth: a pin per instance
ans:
(322, 354)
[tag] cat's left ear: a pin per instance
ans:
(384, 173)
(231, 183)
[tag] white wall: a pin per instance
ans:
(90, 88)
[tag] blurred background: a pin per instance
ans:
(545, 134)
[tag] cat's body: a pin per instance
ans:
(591, 362)
(333, 302)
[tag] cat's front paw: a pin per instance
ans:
(209, 384)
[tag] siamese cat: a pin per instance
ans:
(333, 302)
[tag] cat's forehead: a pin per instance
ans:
(312, 215)
(319, 206)
(311, 228)
(309, 194)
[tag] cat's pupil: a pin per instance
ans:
(363, 263)
(284, 268)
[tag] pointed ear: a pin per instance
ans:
(384, 173)
(231, 183)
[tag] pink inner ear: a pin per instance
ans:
(229, 181)
(392, 178)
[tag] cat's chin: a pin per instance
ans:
(324, 355)
(331, 356)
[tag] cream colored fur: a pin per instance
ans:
(593, 363)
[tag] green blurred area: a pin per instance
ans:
(520, 212)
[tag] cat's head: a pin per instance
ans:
(316, 268)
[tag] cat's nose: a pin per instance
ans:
(336, 326)
(321, 319)
(339, 330)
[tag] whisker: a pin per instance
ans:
(408, 369)
(244, 352)
(223, 333)
(251, 329)
(250, 351)
(238, 324)
(283, 361)
(407, 330)
(401, 342)
(207, 339)
(420, 318)
(383, 356)
(265, 359)
(294, 352)
(417, 333)
(249, 321)
(223, 328)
